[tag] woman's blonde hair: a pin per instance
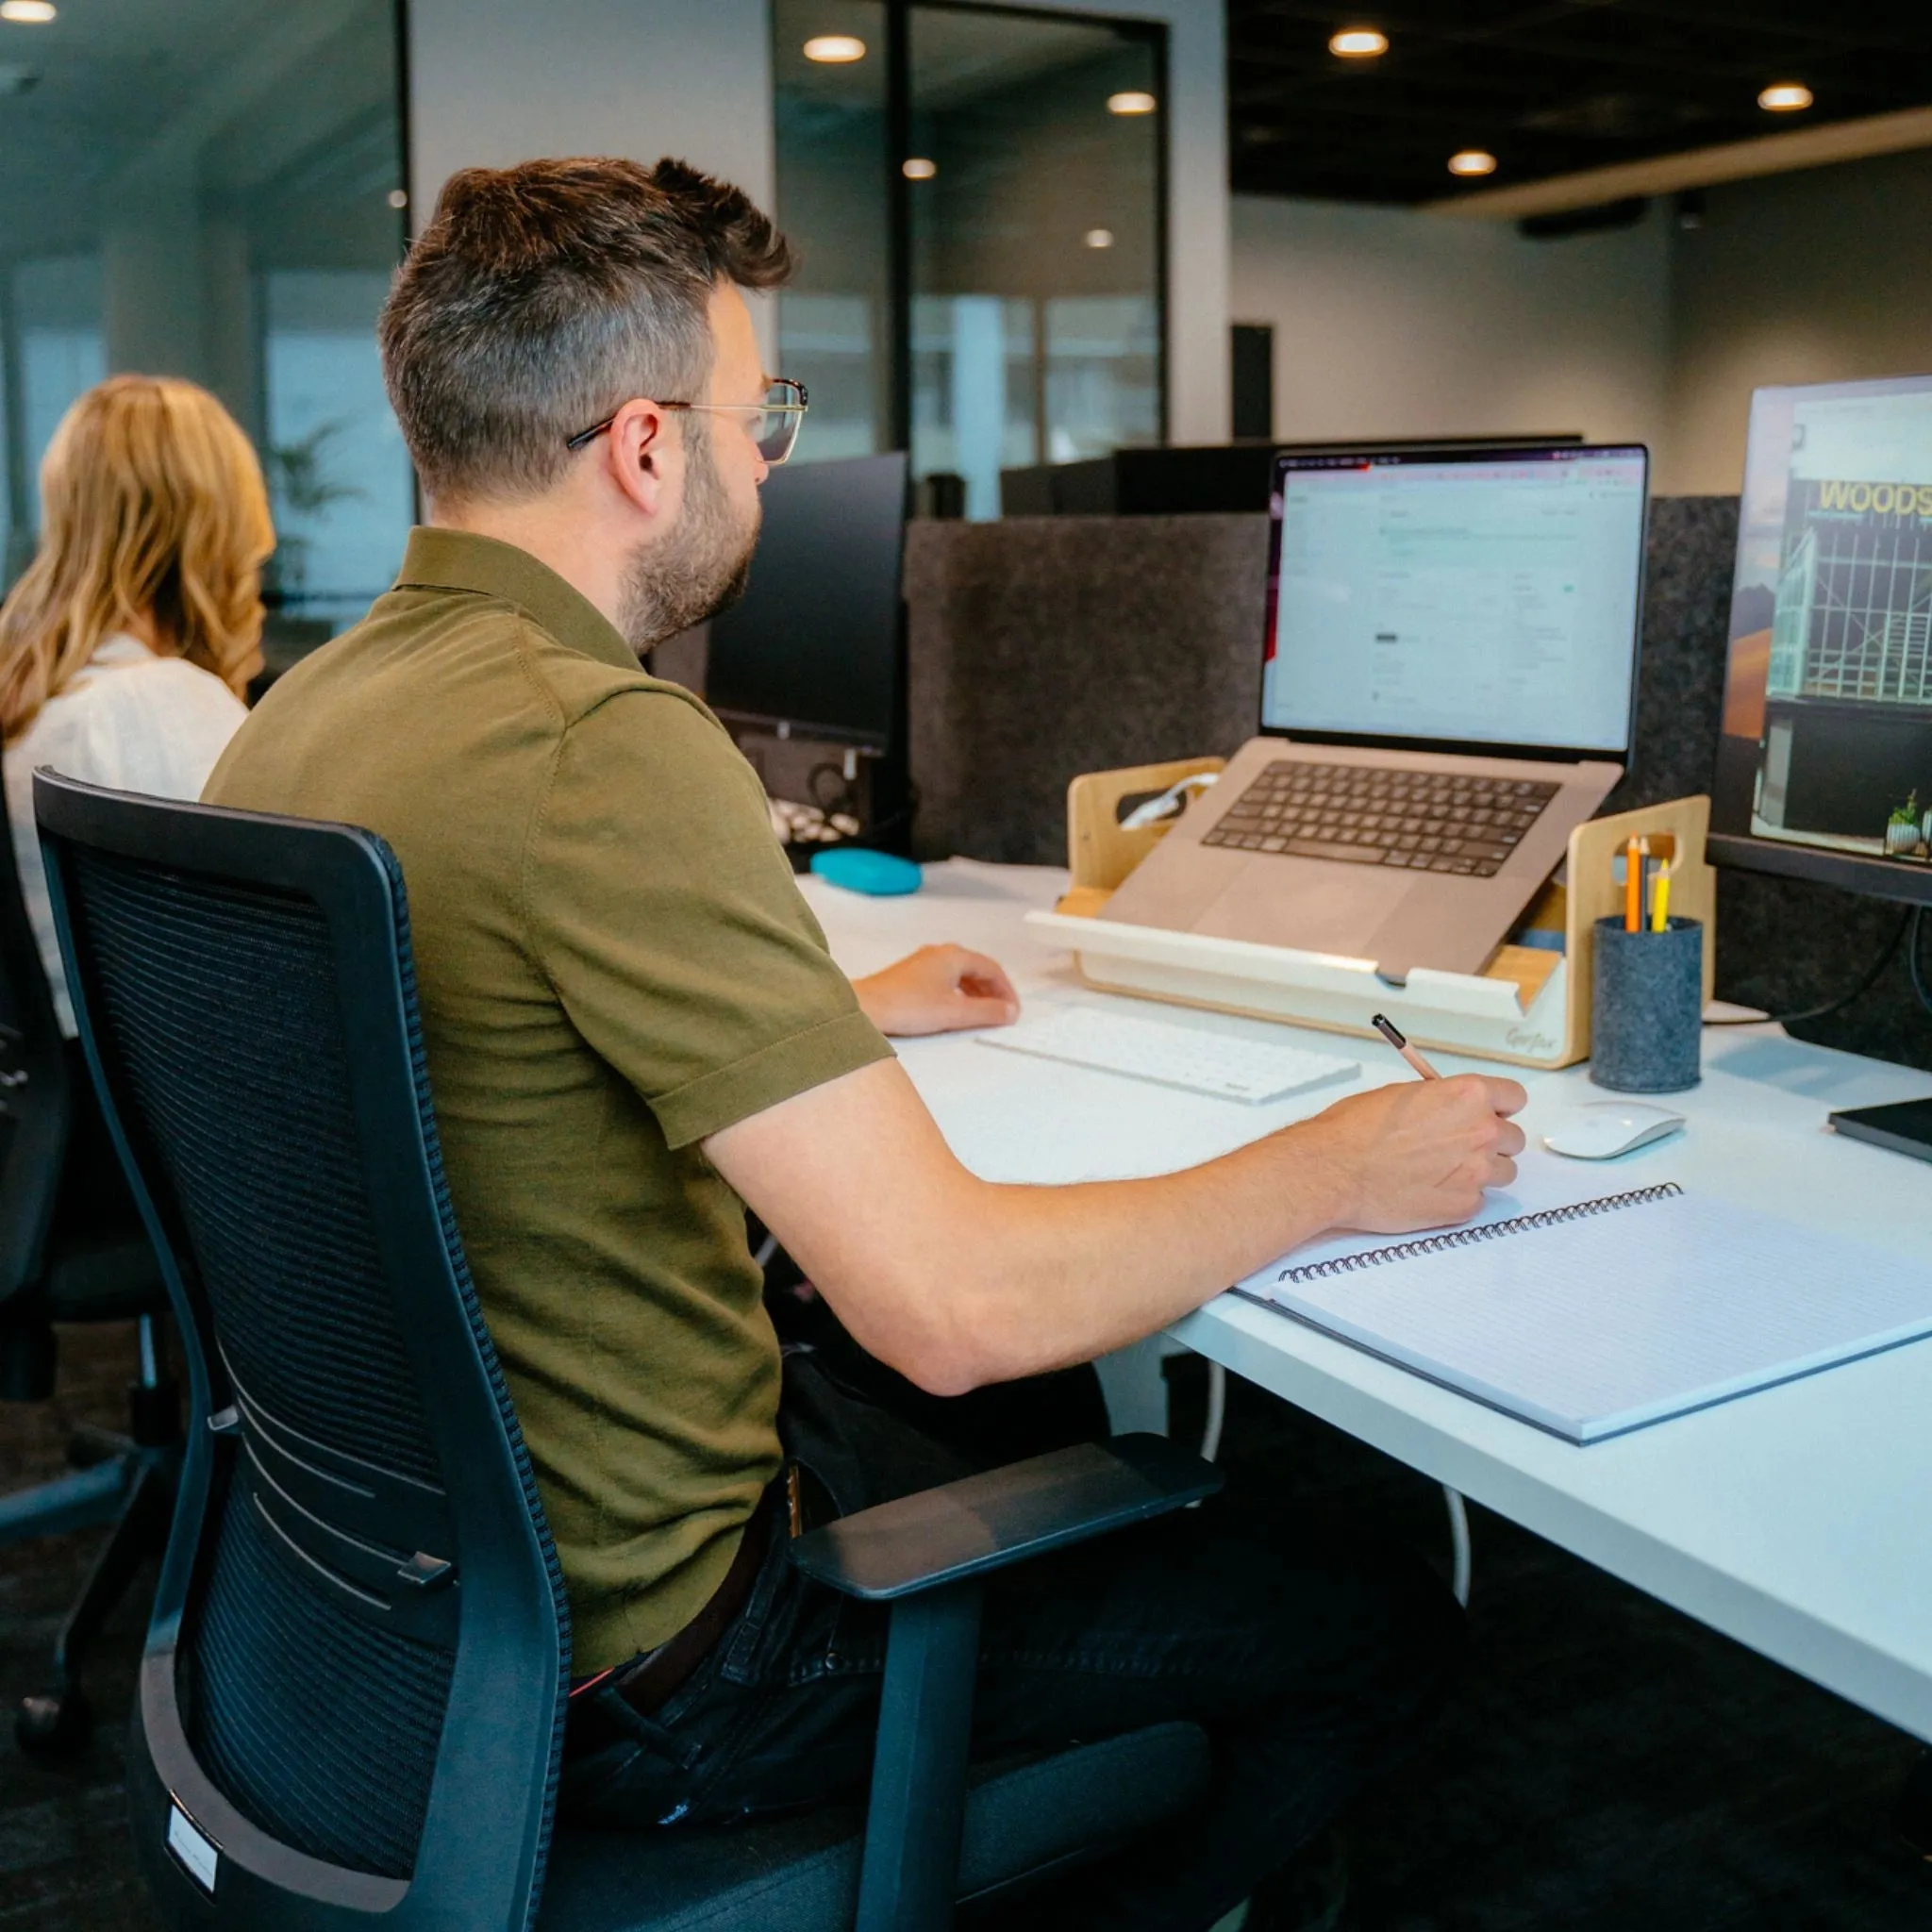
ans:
(152, 506)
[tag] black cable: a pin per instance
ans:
(1869, 979)
(1914, 963)
(845, 799)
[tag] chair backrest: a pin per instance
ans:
(350, 1705)
(35, 1103)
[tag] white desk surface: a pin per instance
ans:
(1798, 1520)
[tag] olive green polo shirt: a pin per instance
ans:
(613, 962)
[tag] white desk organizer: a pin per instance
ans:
(1446, 1009)
(1531, 1006)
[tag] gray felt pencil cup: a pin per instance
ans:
(1646, 1016)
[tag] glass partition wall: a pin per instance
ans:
(976, 196)
(213, 188)
(836, 321)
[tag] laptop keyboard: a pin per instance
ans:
(1384, 815)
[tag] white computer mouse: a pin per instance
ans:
(1605, 1128)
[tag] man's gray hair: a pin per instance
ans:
(542, 297)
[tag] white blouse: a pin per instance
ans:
(133, 720)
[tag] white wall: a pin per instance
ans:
(495, 81)
(1199, 402)
(1389, 322)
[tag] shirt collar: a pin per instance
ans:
(120, 649)
(439, 559)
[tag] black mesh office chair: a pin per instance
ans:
(351, 1698)
(65, 1257)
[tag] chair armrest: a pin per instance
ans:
(985, 1523)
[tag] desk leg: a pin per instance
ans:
(1135, 1388)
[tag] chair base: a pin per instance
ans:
(93, 1495)
(132, 1487)
(54, 1726)
(60, 1721)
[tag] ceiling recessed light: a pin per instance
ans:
(29, 12)
(1785, 97)
(399, 197)
(835, 50)
(1099, 238)
(1472, 161)
(1132, 101)
(1357, 43)
(919, 169)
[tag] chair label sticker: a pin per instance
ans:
(195, 1851)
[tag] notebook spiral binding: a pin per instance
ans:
(1469, 1237)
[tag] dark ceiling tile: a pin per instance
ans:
(1548, 85)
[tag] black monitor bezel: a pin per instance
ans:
(1870, 877)
(1380, 455)
(887, 743)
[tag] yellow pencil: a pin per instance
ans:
(1660, 901)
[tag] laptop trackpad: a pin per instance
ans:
(1311, 905)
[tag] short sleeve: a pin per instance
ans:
(665, 915)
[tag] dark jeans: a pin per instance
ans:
(1308, 1663)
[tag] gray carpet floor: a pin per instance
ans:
(1609, 1766)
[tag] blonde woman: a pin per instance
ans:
(126, 646)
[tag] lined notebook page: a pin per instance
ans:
(1605, 1322)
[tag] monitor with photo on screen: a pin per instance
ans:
(1824, 753)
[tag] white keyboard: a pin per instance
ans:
(1170, 1055)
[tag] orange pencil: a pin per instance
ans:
(1633, 886)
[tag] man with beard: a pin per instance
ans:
(634, 1030)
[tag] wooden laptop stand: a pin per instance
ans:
(1530, 1005)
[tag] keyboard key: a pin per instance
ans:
(1325, 848)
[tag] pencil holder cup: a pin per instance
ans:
(1646, 1017)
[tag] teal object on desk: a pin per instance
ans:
(877, 874)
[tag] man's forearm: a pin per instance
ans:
(1047, 1276)
(958, 1282)
(955, 1281)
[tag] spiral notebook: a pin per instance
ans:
(1590, 1318)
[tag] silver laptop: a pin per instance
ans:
(1447, 692)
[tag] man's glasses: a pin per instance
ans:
(774, 427)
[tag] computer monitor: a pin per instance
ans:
(815, 647)
(1485, 600)
(1824, 750)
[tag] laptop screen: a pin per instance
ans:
(1489, 598)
